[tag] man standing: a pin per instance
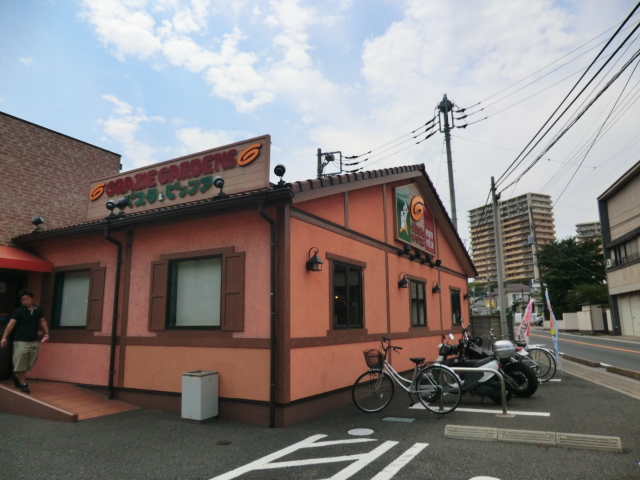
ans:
(26, 320)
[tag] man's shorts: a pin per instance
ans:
(25, 355)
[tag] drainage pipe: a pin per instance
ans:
(272, 288)
(114, 321)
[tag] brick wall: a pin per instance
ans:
(45, 173)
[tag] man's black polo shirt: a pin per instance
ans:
(27, 324)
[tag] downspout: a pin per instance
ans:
(114, 321)
(272, 345)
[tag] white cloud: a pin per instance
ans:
(26, 61)
(122, 127)
(196, 140)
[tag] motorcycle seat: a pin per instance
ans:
(418, 360)
(476, 363)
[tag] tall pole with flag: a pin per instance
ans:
(554, 330)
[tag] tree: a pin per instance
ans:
(570, 270)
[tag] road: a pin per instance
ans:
(618, 353)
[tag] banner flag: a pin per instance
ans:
(554, 329)
(524, 329)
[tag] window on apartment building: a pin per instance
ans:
(627, 252)
(456, 309)
(347, 296)
(418, 304)
(72, 297)
(201, 290)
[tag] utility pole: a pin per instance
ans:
(445, 106)
(504, 326)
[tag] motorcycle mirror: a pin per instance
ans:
(451, 336)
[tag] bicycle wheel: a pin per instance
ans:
(372, 391)
(542, 363)
(439, 389)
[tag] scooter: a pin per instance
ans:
(480, 383)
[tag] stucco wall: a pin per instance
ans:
(625, 206)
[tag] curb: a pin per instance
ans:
(617, 370)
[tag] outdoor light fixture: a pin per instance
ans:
(428, 257)
(438, 263)
(406, 250)
(218, 182)
(436, 288)
(404, 282)
(314, 264)
(280, 170)
(466, 296)
(37, 221)
(416, 255)
(120, 204)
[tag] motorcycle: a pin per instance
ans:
(480, 383)
(522, 378)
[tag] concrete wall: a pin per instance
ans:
(45, 173)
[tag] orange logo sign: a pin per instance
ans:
(249, 154)
(97, 191)
(417, 208)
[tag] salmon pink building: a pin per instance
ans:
(200, 263)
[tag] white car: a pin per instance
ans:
(539, 321)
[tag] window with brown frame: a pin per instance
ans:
(456, 310)
(201, 290)
(73, 296)
(418, 304)
(347, 296)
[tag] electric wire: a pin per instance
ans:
(515, 163)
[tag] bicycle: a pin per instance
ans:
(437, 386)
(538, 358)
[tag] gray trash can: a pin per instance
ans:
(199, 396)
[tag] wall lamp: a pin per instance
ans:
(404, 281)
(466, 296)
(416, 255)
(314, 264)
(436, 288)
(438, 263)
(406, 250)
(120, 204)
(37, 221)
(280, 170)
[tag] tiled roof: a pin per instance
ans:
(316, 183)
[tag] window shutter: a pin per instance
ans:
(46, 295)
(232, 308)
(96, 298)
(158, 302)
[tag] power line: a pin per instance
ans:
(514, 164)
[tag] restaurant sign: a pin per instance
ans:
(414, 221)
(243, 166)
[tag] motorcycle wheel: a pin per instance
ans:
(525, 382)
(497, 398)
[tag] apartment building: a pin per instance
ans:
(588, 231)
(520, 239)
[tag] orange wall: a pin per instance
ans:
(366, 212)
(310, 296)
(243, 373)
(206, 233)
(316, 370)
(330, 208)
(68, 362)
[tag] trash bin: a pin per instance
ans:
(199, 396)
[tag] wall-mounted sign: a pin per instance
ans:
(244, 166)
(414, 221)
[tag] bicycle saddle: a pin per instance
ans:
(418, 360)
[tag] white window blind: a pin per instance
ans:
(198, 292)
(75, 299)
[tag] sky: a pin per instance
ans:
(155, 80)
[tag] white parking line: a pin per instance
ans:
(419, 406)
(554, 380)
(394, 467)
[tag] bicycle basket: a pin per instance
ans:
(374, 359)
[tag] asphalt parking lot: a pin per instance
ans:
(148, 444)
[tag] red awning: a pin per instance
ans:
(16, 259)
